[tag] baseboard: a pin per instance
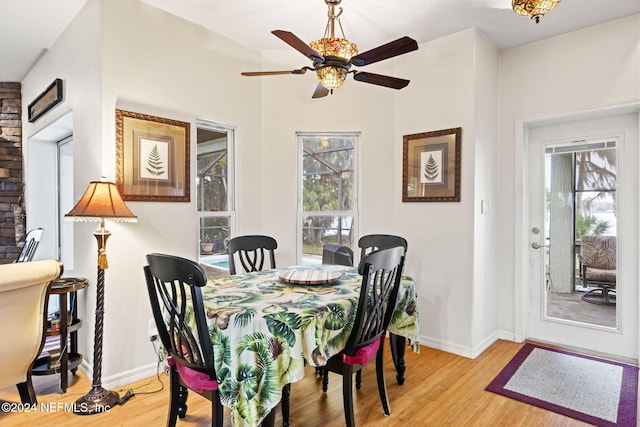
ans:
(507, 335)
(464, 351)
(484, 344)
(123, 378)
(446, 346)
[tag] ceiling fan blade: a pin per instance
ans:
(273, 73)
(389, 50)
(380, 80)
(320, 91)
(293, 41)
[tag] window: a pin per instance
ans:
(327, 199)
(214, 186)
(65, 201)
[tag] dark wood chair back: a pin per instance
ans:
(176, 301)
(334, 254)
(374, 242)
(252, 252)
(31, 242)
(381, 276)
(174, 291)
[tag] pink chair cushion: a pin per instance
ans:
(363, 355)
(195, 380)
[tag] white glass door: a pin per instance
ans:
(580, 183)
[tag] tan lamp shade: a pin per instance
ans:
(101, 201)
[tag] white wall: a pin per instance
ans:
(454, 80)
(76, 59)
(484, 323)
(593, 68)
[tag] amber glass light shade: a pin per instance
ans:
(101, 201)
(331, 46)
(534, 8)
(331, 77)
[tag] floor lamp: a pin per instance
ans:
(100, 201)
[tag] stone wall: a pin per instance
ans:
(11, 186)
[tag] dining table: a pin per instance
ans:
(266, 325)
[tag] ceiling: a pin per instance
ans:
(29, 27)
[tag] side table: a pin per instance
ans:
(69, 357)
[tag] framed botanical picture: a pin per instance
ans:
(152, 158)
(431, 166)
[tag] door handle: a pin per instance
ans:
(536, 245)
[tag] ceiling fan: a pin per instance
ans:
(332, 57)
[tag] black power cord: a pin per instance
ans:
(124, 399)
(130, 393)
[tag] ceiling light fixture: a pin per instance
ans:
(534, 8)
(333, 74)
(332, 57)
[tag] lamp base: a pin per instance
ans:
(96, 401)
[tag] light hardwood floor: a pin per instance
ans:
(441, 389)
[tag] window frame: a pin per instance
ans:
(230, 213)
(300, 213)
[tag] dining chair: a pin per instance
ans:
(368, 244)
(252, 251)
(381, 276)
(23, 308)
(374, 242)
(174, 286)
(334, 254)
(30, 244)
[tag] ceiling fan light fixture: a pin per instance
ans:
(534, 8)
(332, 57)
(332, 46)
(332, 77)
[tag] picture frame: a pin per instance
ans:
(152, 158)
(44, 102)
(431, 166)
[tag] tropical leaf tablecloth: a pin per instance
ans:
(263, 330)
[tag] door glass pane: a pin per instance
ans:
(580, 187)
